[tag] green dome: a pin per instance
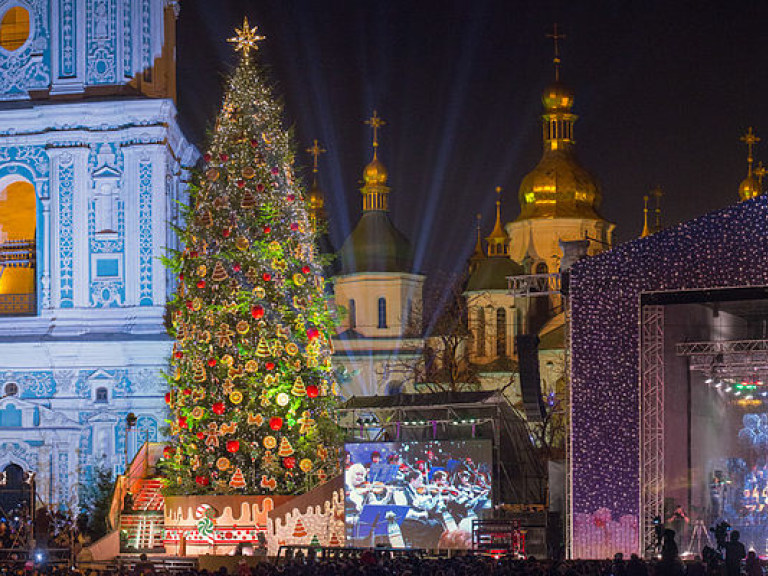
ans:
(492, 273)
(375, 245)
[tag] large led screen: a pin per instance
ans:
(416, 494)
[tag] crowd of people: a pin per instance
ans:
(384, 563)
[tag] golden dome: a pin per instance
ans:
(316, 198)
(749, 188)
(557, 96)
(375, 174)
(559, 187)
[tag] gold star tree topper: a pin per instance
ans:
(246, 39)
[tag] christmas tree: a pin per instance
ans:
(252, 386)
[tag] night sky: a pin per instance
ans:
(664, 90)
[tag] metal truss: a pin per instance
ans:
(534, 285)
(568, 433)
(728, 358)
(651, 422)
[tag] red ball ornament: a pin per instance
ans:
(266, 276)
(259, 187)
(294, 226)
(218, 408)
(291, 197)
(206, 158)
(289, 462)
(193, 254)
(202, 480)
(255, 143)
(211, 362)
(233, 446)
(305, 269)
(275, 423)
(241, 183)
(201, 284)
(226, 232)
(236, 267)
(167, 452)
(223, 157)
(270, 365)
(200, 435)
(181, 277)
(178, 354)
(188, 304)
(312, 333)
(167, 397)
(275, 170)
(312, 391)
(187, 392)
(182, 422)
(257, 312)
(267, 229)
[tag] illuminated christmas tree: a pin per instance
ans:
(251, 366)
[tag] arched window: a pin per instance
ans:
(501, 332)
(382, 312)
(480, 334)
(352, 314)
(14, 28)
(11, 389)
(541, 268)
(102, 397)
(18, 208)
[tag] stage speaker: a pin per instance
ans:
(527, 346)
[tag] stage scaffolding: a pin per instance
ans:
(652, 422)
(519, 475)
(733, 359)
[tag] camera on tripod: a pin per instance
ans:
(658, 531)
(720, 531)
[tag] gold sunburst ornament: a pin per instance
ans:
(246, 39)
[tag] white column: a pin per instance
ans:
(45, 261)
(131, 196)
(81, 260)
(159, 223)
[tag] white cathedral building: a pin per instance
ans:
(92, 162)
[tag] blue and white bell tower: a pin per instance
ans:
(92, 165)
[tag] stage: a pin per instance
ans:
(668, 342)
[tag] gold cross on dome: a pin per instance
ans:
(246, 39)
(375, 122)
(556, 60)
(750, 139)
(316, 150)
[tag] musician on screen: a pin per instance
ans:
(420, 528)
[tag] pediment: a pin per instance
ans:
(106, 172)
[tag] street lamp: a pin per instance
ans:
(130, 423)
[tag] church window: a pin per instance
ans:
(480, 332)
(501, 332)
(14, 28)
(352, 314)
(11, 389)
(10, 417)
(541, 268)
(102, 397)
(107, 267)
(382, 312)
(18, 252)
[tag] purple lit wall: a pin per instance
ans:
(728, 248)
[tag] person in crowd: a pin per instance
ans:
(734, 554)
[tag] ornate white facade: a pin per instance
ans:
(82, 338)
